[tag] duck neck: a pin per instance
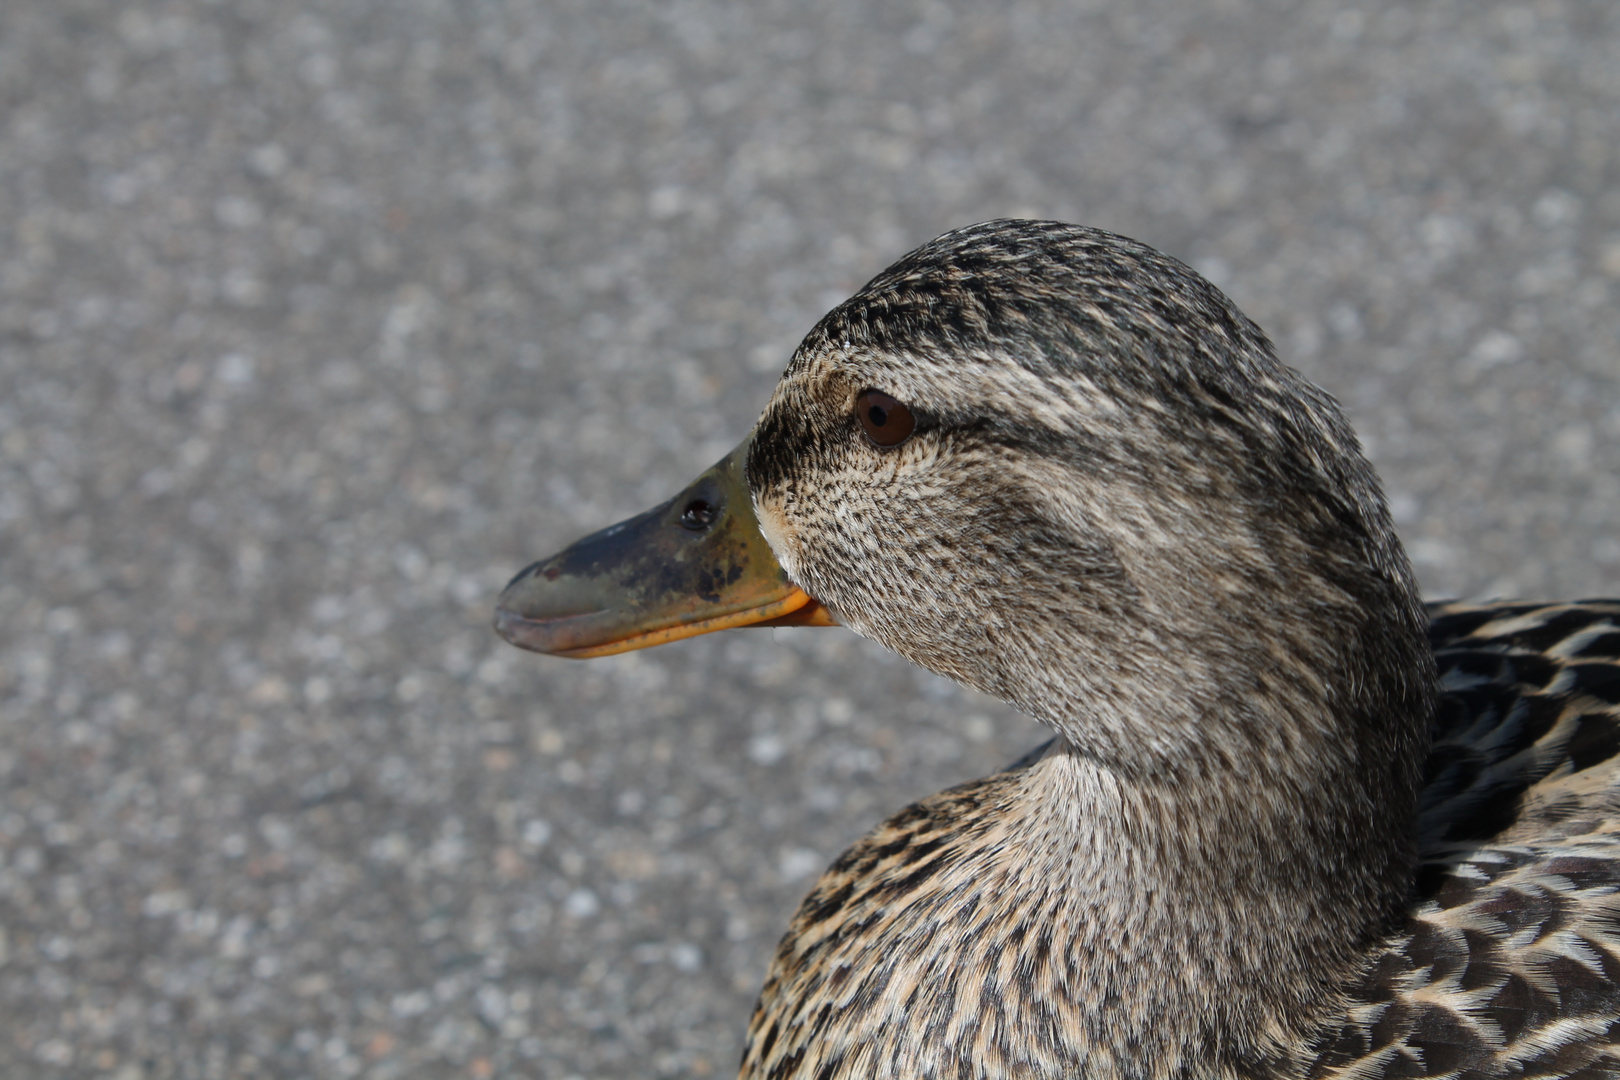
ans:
(1218, 916)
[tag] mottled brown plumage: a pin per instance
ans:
(1121, 513)
(1293, 825)
(1503, 964)
(1507, 961)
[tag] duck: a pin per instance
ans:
(1292, 821)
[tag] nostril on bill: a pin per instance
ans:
(699, 515)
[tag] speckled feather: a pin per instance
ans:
(1508, 963)
(1507, 960)
(1120, 512)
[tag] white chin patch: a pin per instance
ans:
(778, 534)
(784, 544)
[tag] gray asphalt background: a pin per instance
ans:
(319, 320)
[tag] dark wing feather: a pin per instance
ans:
(1509, 962)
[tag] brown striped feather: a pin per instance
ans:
(1508, 964)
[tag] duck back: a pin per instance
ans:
(1509, 961)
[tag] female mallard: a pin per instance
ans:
(1270, 838)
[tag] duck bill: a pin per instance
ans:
(697, 563)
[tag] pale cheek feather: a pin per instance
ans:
(778, 532)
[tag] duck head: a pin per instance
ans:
(1063, 469)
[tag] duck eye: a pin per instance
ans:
(885, 421)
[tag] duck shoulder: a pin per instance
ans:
(1507, 962)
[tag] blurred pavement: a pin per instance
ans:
(320, 319)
